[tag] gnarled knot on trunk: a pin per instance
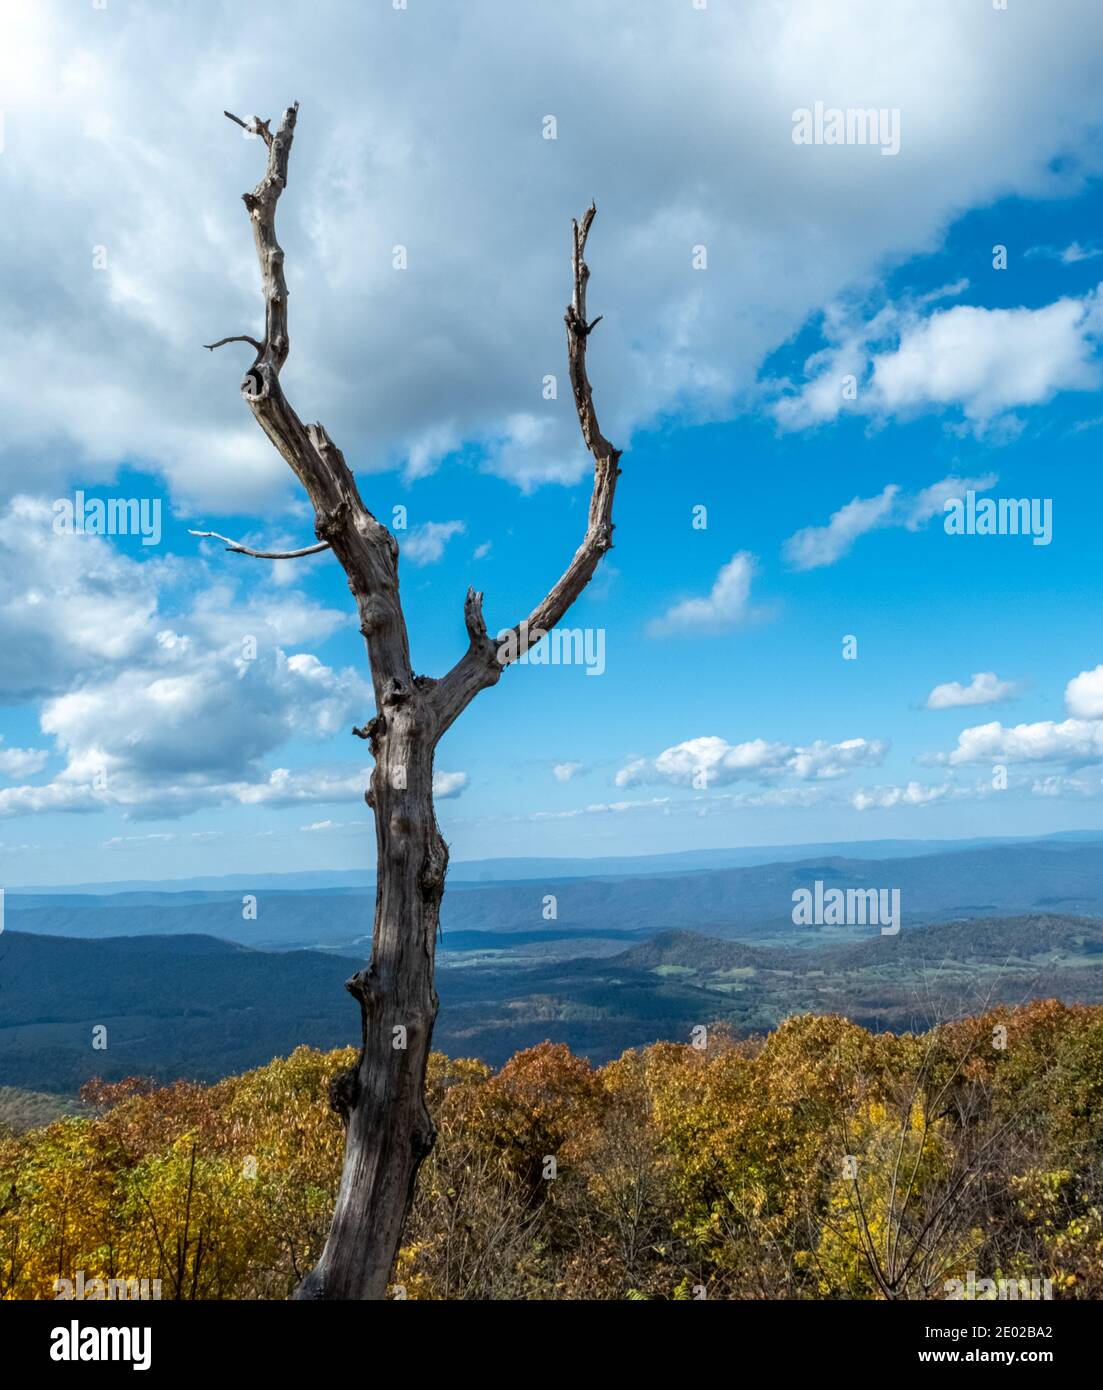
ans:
(254, 387)
(344, 1092)
(430, 880)
(372, 730)
(364, 986)
(577, 324)
(394, 692)
(376, 728)
(331, 524)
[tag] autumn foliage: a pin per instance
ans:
(822, 1161)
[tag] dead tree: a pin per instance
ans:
(389, 1130)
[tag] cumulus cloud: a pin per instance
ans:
(410, 366)
(563, 772)
(711, 761)
(448, 784)
(79, 789)
(726, 605)
(1084, 695)
(425, 544)
(69, 605)
(151, 710)
(985, 688)
(981, 363)
(813, 547)
(987, 361)
(884, 798)
(211, 712)
(21, 762)
(1074, 742)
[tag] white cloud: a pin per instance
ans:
(726, 605)
(982, 363)
(69, 605)
(771, 799)
(159, 838)
(206, 714)
(711, 761)
(988, 361)
(601, 808)
(156, 712)
(448, 784)
(1057, 785)
(985, 688)
(563, 772)
(884, 798)
(430, 448)
(1073, 741)
(54, 796)
(822, 760)
(931, 501)
(1084, 695)
(425, 544)
(74, 790)
(21, 762)
(1074, 253)
(816, 546)
(410, 366)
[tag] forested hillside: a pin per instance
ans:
(202, 1009)
(821, 1161)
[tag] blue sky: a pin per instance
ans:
(140, 741)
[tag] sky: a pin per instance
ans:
(809, 348)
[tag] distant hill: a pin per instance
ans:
(751, 903)
(471, 871)
(690, 950)
(993, 941)
(172, 1006)
(196, 1007)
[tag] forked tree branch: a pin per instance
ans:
(240, 549)
(366, 549)
(485, 658)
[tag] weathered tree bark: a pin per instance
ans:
(382, 1098)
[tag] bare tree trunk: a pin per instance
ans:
(382, 1098)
